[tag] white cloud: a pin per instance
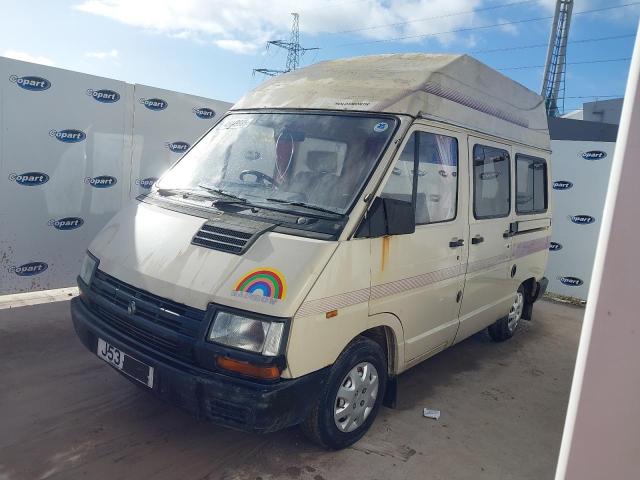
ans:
(243, 26)
(508, 28)
(27, 57)
(111, 55)
(238, 46)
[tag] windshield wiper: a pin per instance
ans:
(304, 205)
(233, 198)
(176, 191)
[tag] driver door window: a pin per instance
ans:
(426, 174)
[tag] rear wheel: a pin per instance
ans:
(504, 328)
(351, 398)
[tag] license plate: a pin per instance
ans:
(125, 362)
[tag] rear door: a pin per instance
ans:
(419, 277)
(532, 217)
(488, 292)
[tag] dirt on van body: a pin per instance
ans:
(65, 414)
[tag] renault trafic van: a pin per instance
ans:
(339, 225)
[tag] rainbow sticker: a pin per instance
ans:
(262, 284)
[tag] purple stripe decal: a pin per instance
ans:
(406, 284)
(531, 246)
(326, 304)
(467, 101)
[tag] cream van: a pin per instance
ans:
(339, 225)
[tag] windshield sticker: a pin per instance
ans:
(380, 127)
(264, 285)
(237, 123)
(252, 155)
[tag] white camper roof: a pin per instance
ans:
(453, 88)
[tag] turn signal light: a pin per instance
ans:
(267, 372)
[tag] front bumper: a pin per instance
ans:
(235, 402)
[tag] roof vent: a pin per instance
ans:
(230, 238)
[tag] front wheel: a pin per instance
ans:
(504, 328)
(351, 398)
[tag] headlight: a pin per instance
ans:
(247, 333)
(88, 267)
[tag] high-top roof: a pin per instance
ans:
(453, 88)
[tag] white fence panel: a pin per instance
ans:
(580, 172)
(70, 156)
(165, 126)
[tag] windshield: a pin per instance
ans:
(315, 160)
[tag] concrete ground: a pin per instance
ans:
(64, 414)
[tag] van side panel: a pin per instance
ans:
(318, 336)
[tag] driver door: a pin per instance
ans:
(419, 277)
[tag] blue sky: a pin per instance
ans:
(209, 47)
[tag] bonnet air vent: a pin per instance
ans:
(233, 238)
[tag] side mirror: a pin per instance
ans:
(387, 216)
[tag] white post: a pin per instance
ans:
(601, 436)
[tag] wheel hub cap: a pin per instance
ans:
(356, 397)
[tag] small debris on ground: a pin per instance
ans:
(434, 414)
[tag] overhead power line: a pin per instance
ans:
(544, 45)
(445, 15)
(597, 96)
(524, 67)
(483, 27)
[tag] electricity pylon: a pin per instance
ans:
(294, 50)
(553, 82)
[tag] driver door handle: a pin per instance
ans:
(458, 242)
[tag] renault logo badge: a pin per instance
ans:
(131, 309)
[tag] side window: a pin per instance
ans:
(491, 182)
(430, 162)
(437, 189)
(531, 184)
(400, 183)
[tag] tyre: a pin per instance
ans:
(504, 328)
(351, 398)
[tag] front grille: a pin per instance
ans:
(158, 323)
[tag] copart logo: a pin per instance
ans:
(582, 219)
(555, 246)
(101, 181)
(571, 281)
(204, 113)
(593, 155)
(154, 104)
(67, 223)
(146, 182)
(562, 185)
(28, 269)
(177, 147)
(34, 84)
(68, 136)
(29, 179)
(104, 96)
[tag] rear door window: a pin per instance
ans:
(491, 182)
(531, 184)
